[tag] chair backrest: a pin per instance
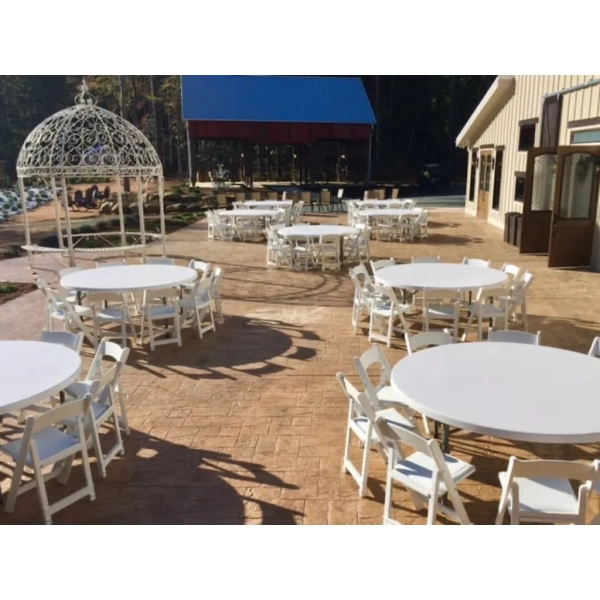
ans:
(476, 262)
(168, 296)
(96, 300)
(340, 193)
(201, 289)
(74, 341)
(154, 260)
(325, 196)
(394, 194)
(425, 259)
(515, 337)
(441, 296)
(107, 350)
(67, 411)
(216, 277)
(359, 288)
(240, 196)
(500, 294)
(380, 264)
(200, 266)
(523, 285)
(512, 270)
(305, 197)
(427, 339)
(256, 196)
(359, 402)
(373, 357)
(284, 196)
(221, 200)
(595, 347)
(361, 271)
(271, 195)
(383, 295)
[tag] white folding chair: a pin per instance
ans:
(155, 260)
(595, 347)
(382, 395)
(69, 294)
(44, 444)
(540, 491)
(103, 410)
(361, 425)
(215, 293)
(160, 306)
(441, 305)
(425, 259)
(74, 341)
(201, 267)
(364, 237)
(328, 253)
(362, 300)
(385, 311)
(476, 262)
(515, 337)
(515, 273)
(492, 304)
(110, 308)
(197, 305)
(382, 263)
(518, 298)
(421, 341)
(428, 472)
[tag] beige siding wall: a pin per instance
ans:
(527, 104)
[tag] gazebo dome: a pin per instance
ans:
(87, 141)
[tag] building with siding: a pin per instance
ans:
(534, 148)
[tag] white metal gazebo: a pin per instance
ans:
(88, 141)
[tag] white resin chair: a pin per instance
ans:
(201, 267)
(74, 341)
(159, 306)
(441, 305)
(363, 299)
(385, 311)
(157, 260)
(328, 253)
(427, 472)
(103, 410)
(476, 262)
(490, 304)
(196, 306)
(364, 237)
(421, 224)
(595, 347)
(515, 273)
(304, 252)
(425, 259)
(518, 298)
(381, 394)
(110, 308)
(215, 293)
(540, 491)
(361, 424)
(44, 444)
(69, 294)
(515, 337)
(279, 251)
(382, 263)
(297, 212)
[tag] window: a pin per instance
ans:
(589, 136)
(519, 187)
(497, 180)
(472, 175)
(526, 136)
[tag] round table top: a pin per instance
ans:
(514, 391)
(450, 276)
(247, 212)
(316, 230)
(397, 202)
(282, 203)
(34, 371)
(128, 278)
(390, 212)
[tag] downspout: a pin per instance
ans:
(573, 88)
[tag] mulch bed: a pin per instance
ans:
(10, 291)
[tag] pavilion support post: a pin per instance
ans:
(121, 215)
(161, 204)
(63, 183)
(61, 243)
(368, 181)
(189, 153)
(138, 185)
(24, 207)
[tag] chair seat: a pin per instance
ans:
(441, 311)
(81, 311)
(111, 314)
(384, 310)
(49, 442)
(416, 472)
(543, 496)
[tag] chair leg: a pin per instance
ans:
(14, 487)
(85, 461)
(98, 450)
(42, 495)
(364, 471)
(389, 485)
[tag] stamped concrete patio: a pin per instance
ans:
(248, 425)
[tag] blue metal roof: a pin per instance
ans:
(281, 99)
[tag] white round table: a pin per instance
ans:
(314, 231)
(390, 212)
(450, 276)
(128, 278)
(388, 203)
(513, 391)
(34, 371)
(247, 212)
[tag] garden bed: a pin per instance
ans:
(10, 291)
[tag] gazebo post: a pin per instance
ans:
(138, 185)
(161, 204)
(61, 244)
(63, 184)
(121, 215)
(24, 206)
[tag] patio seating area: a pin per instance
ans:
(249, 423)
